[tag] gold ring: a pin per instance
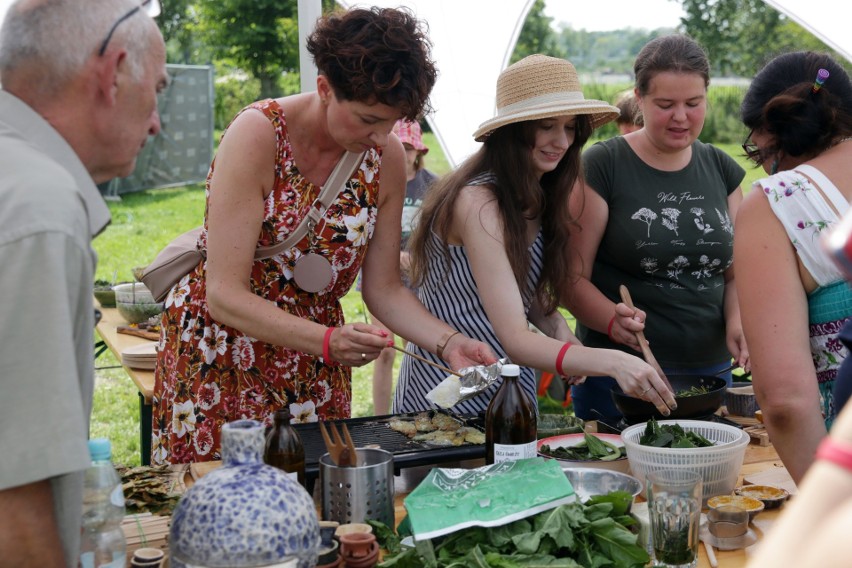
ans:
(646, 390)
(363, 356)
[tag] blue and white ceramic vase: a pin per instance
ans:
(245, 513)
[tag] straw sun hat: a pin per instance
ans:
(538, 87)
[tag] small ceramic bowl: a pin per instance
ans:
(771, 496)
(350, 528)
(751, 505)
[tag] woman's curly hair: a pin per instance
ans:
(377, 55)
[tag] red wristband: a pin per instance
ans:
(326, 345)
(609, 330)
(838, 453)
(559, 358)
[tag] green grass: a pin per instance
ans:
(142, 224)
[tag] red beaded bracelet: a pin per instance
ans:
(559, 358)
(326, 345)
(835, 451)
(609, 329)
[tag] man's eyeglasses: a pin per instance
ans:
(150, 7)
(751, 150)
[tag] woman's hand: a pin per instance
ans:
(638, 379)
(625, 324)
(461, 351)
(355, 345)
(735, 339)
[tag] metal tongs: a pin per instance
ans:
(343, 454)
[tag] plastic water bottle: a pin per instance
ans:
(103, 544)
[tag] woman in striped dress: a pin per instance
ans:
(489, 251)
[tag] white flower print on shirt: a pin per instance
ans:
(725, 220)
(670, 215)
(646, 216)
(183, 418)
(649, 265)
(213, 342)
(699, 220)
(357, 227)
(304, 412)
(677, 266)
(707, 267)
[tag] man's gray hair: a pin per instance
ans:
(59, 37)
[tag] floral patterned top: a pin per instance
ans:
(807, 204)
(209, 373)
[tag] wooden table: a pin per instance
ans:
(758, 459)
(144, 380)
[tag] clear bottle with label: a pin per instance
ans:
(284, 448)
(510, 421)
(102, 540)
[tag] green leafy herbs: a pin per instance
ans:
(692, 391)
(591, 448)
(671, 436)
(569, 536)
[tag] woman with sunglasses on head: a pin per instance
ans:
(656, 215)
(244, 337)
(794, 300)
(488, 252)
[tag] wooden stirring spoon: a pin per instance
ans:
(640, 337)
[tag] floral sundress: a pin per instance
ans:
(806, 214)
(208, 373)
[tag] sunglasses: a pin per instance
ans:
(150, 7)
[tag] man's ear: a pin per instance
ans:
(110, 74)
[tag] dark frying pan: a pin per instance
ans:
(636, 410)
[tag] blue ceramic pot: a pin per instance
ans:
(246, 513)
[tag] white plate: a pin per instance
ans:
(566, 440)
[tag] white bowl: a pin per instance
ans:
(566, 440)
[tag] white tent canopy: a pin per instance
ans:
(472, 44)
(473, 41)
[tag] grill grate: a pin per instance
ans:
(375, 430)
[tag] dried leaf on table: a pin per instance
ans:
(151, 488)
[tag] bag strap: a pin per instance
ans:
(330, 190)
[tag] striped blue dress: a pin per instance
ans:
(449, 292)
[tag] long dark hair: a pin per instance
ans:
(506, 153)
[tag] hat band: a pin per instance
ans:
(541, 101)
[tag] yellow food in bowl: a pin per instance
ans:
(769, 495)
(751, 505)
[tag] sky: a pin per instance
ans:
(606, 15)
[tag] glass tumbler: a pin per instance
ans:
(674, 508)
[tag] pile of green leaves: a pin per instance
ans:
(590, 449)
(671, 436)
(569, 536)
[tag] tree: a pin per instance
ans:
(740, 36)
(537, 36)
(258, 36)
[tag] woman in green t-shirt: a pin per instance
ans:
(656, 214)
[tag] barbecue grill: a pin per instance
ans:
(375, 431)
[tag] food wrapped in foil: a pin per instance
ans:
(474, 380)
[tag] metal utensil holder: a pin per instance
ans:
(355, 494)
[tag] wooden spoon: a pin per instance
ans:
(640, 337)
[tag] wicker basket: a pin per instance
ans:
(719, 465)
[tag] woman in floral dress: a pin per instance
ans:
(793, 299)
(240, 339)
